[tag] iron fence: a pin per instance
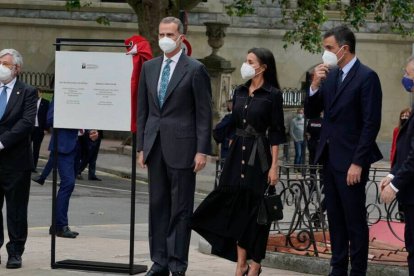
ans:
(43, 81)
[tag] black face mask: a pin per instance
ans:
(402, 121)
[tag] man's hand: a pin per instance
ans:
(273, 176)
(319, 74)
(387, 194)
(354, 175)
(93, 134)
(140, 160)
(385, 182)
(199, 162)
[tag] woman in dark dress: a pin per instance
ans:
(227, 218)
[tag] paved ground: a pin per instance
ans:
(109, 242)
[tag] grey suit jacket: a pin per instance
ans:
(15, 128)
(184, 121)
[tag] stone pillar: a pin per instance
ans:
(219, 70)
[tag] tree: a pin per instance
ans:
(149, 12)
(307, 18)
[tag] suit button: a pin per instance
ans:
(243, 148)
(243, 162)
(244, 120)
(242, 176)
(245, 106)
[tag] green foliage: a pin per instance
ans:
(103, 20)
(76, 4)
(304, 22)
(240, 8)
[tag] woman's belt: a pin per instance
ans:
(258, 146)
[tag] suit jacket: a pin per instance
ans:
(42, 114)
(184, 121)
(403, 168)
(67, 138)
(352, 117)
(15, 128)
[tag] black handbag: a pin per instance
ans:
(271, 207)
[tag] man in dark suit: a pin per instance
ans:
(66, 149)
(92, 151)
(401, 178)
(174, 137)
(38, 132)
(350, 96)
(17, 117)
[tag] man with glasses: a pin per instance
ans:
(17, 118)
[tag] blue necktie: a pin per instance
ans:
(165, 77)
(3, 101)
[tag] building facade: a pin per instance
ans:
(32, 26)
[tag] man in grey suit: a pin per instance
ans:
(173, 139)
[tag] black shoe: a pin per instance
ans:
(14, 261)
(157, 273)
(179, 273)
(94, 178)
(74, 232)
(39, 180)
(66, 233)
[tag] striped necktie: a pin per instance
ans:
(165, 78)
(3, 101)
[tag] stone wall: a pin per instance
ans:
(33, 26)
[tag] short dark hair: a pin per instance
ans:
(266, 57)
(171, 19)
(343, 35)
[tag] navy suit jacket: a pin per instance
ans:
(15, 128)
(352, 117)
(184, 121)
(403, 168)
(67, 138)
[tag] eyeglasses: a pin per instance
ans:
(5, 63)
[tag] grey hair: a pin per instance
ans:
(171, 19)
(17, 57)
(410, 59)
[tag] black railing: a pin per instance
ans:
(301, 188)
(43, 81)
(293, 97)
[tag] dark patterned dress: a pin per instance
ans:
(227, 217)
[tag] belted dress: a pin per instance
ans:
(228, 215)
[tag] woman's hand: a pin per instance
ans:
(273, 175)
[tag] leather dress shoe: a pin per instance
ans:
(94, 178)
(14, 261)
(178, 273)
(157, 273)
(38, 180)
(65, 232)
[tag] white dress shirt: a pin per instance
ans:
(10, 87)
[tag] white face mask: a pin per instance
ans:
(5, 74)
(167, 45)
(247, 71)
(330, 58)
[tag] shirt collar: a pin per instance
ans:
(175, 57)
(349, 65)
(10, 84)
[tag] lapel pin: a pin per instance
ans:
(18, 92)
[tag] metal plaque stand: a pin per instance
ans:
(95, 265)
